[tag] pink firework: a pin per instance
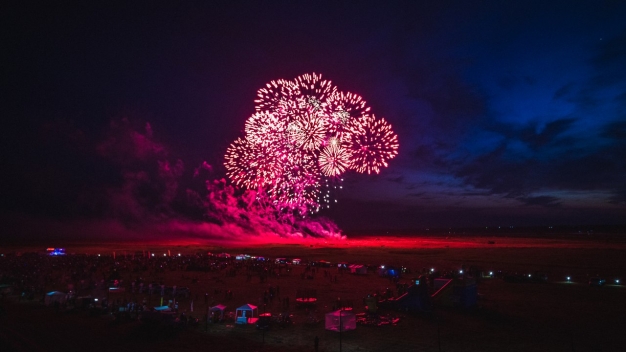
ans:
(276, 96)
(334, 159)
(311, 130)
(372, 145)
(251, 165)
(352, 105)
(314, 86)
(297, 187)
(344, 109)
(265, 128)
(306, 133)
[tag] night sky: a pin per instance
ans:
(508, 113)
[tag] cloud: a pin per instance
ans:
(544, 201)
(616, 131)
(398, 179)
(548, 134)
(612, 52)
(618, 197)
(416, 194)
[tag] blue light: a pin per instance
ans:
(56, 251)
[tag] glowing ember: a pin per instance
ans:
(304, 131)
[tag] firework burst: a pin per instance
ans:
(334, 159)
(250, 165)
(265, 128)
(306, 133)
(373, 144)
(311, 127)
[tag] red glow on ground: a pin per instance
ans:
(186, 245)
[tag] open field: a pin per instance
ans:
(553, 316)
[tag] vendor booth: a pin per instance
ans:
(216, 313)
(340, 320)
(246, 314)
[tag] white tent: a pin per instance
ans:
(358, 269)
(246, 314)
(217, 313)
(340, 320)
(53, 297)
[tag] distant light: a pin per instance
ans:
(460, 271)
(179, 254)
(165, 254)
(617, 281)
(528, 275)
(98, 255)
(382, 266)
(95, 299)
(153, 254)
(491, 273)
(569, 278)
(432, 269)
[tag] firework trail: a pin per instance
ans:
(304, 133)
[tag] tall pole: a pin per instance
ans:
(340, 328)
(438, 337)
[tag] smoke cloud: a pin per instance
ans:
(153, 194)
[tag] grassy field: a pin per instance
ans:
(555, 316)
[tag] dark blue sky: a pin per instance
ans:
(507, 112)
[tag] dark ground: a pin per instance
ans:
(554, 316)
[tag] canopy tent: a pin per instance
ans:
(340, 320)
(54, 297)
(246, 314)
(216, 313)
(358, 269)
